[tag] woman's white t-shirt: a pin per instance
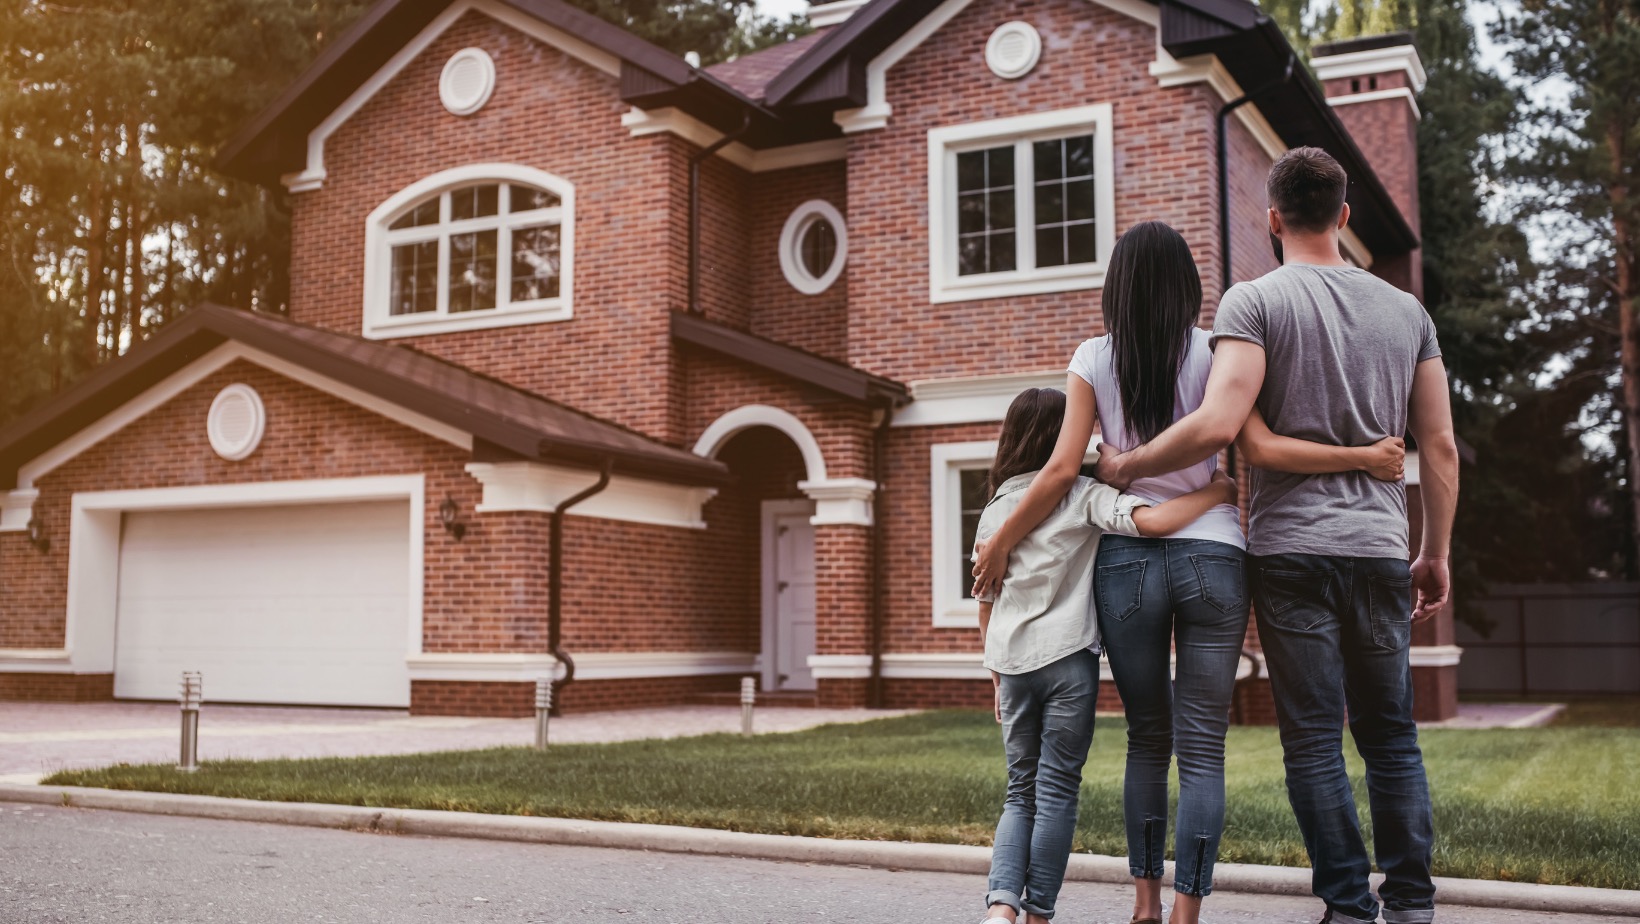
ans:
(1094, 364)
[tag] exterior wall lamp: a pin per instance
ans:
(37, 535)
(450, 516)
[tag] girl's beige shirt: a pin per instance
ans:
(1045, 609)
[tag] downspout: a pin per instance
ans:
(695, 160)
(879, 552)
(555, 584)
(1224, 193)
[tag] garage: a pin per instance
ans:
(295, 604)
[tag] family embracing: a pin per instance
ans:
(1315, 372)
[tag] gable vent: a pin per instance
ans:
(467, 81)
(236, 422)
(1013, 50)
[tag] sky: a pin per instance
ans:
(781, 7)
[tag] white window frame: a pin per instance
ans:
(791, 246)
(381, 324)
(944, 144)
(948, 461)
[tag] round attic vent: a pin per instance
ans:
(467, 81)
(1013, 50)
(236, 422)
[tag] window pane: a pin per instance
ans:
(999, 168)
(971, 256)
(1050, 246)
(1079, 156)
(1004, 256)
(472, 271)
(1050, 203)
(415, 278)
(1048, 159)
(474, 202)
(971, 213)
(818, 247)
(425, 213)
(1079, 200)
(1081, 246)
(970, 171)
(1065, 202)
(985, 211)
(534, 263)
(999, 211)
(528, 198)
(973, 504)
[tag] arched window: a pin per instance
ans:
(481, 246)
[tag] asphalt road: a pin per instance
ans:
(74, 865)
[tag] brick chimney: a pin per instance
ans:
(1373, 84)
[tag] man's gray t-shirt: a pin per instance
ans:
(1340, 348)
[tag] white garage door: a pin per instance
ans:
(300, 604)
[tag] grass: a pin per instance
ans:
(1556, 805)
(1603, 711)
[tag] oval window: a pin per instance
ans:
(813, 247)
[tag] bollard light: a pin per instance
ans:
(543, 709)
(748, 699)
(192, 694)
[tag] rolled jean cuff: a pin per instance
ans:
(1182, 888)
(1139, 872)
(1409, 916)
(1339, 917)
(1002, 897)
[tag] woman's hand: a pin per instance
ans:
(996, 694)
(1232, 492)
(1386, 459)
(990, 566)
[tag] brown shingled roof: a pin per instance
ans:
(749, 74)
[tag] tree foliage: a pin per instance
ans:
(717, 30)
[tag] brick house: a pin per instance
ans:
(672, 374)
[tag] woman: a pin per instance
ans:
(1186, 591)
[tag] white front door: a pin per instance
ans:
(305, 604)
(788, 594)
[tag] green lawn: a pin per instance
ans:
(1559, 805)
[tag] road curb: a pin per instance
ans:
(942, 858)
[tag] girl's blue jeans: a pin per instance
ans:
(1047, 727)
(1157, 597)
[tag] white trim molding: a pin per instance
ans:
(1353, 248)
(1177, 72)
(533, 486)
(312, 176)
(17, 509)
(834, 13)
(379, 240)
(1435, 655)
(1373, 61)
(969, 399)
(840, 501)
(94, 545)
(481, 667)
(525, 667)
(35, 661)
(840, 667)
(642, 122)
(747, 416)
(797, 225)
(1410, 469)
(175, 384)
(945, 284)
(1375, 95)
(947, 462)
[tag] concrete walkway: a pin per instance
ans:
(37, 739)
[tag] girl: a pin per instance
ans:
(1041, 643)
(1185, 592)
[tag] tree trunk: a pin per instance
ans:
(1623, 245)
(95, 240)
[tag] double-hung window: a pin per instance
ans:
(475, 247)
(957, 497)
(1022, 205)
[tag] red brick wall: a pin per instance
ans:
(1163, 160)
(56, 688)
(716, 386)
(1387, 132)
(551, 112)
(1250, 252)
(817, 323)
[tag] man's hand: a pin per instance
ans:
(996, 694)
(1227, 484)
(1386, 459)
(1431, 585)
(990, 566)
(1109, 468)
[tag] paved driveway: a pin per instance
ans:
(40, 738)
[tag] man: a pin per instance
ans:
(1330, 353)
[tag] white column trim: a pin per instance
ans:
(969, 399)
(17, 509)
(1373, 61)
(1375, 95)
(840, 667)
(527, 667)
(1435, 655)
(840, 501)
(536, 487)
(35, 661)
(762, 415)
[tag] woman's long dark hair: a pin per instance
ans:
(1152, 300)
(1029, 433)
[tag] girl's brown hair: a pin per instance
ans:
(1029, 433)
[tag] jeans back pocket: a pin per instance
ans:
(1390, 597)
(1298, 600)
(1223, 582)
(1120, 589)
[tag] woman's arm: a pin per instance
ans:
(1384, 460)
(1169, 517)
(1046, 491)
(996, 679)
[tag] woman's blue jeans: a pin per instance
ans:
(1155, 597)
(1047, 726)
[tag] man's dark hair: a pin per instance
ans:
(1306, 188)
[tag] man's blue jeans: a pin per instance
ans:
(1152, 592)
(1336, 633)
(1047, 726)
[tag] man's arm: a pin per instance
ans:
(1429, 419)
(1232, 387)
(1263, 448)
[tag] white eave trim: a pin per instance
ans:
(1373, 96)
(17, 509)
(312, 176)
(969, 399)
(35, 661)
(510, 667)
(1373, 61)
(539, 488)
(1435, 655)
(1177, 72)
(641, 122)
(834, 13)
